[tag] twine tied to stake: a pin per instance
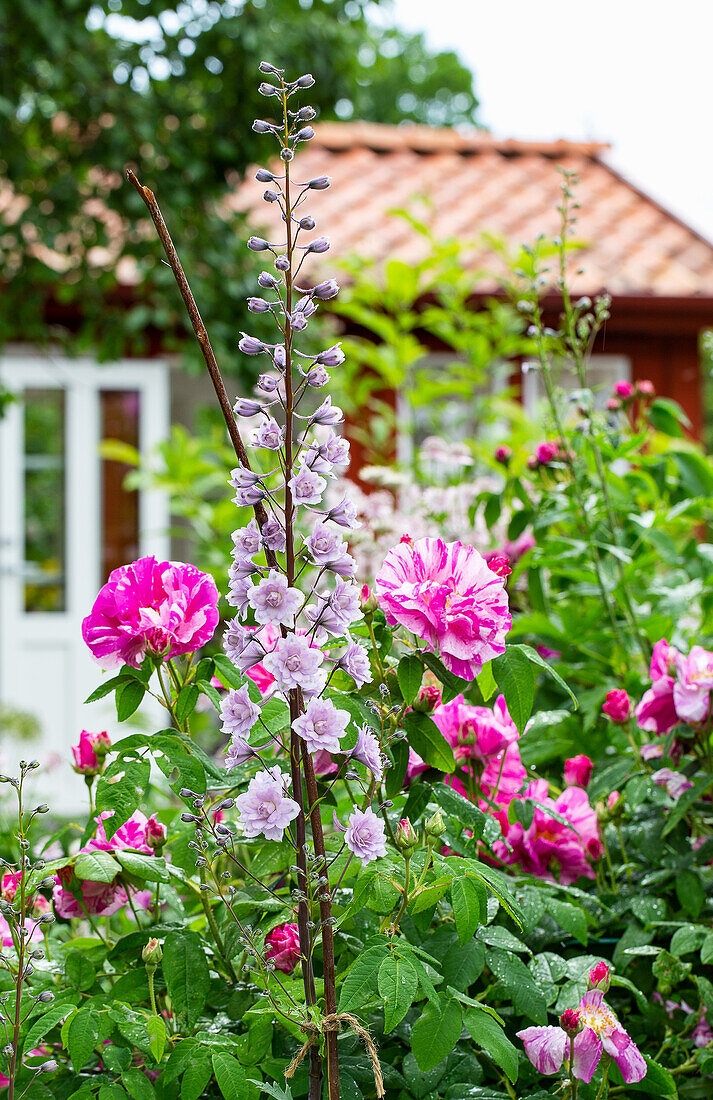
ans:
(333, 1022)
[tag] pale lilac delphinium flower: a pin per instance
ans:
(365, 836)
(296, 664)
(354, 660)
(273, 601)
(237, 752)
(322, 725)
(238, 712)
(368, 752)
(246, 541)
(265, 809)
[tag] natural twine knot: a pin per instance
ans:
(333, 1022)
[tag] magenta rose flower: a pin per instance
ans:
(90, 752)
(624, 389)
(476, 733)
(445, 594)
(617, 705)
(283, 947)
(166, 608)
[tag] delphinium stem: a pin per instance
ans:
(297, 708)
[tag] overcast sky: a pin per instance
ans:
(635, 73)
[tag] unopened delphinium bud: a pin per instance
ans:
(264, 176)
(321, 183)
(319, 244)
(328, 289)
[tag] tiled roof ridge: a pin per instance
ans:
(431, 139)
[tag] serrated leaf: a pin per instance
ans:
(186, 972)
(409, 673)
(519, 983)
(54, 1015)
(186, 701)
(128, 698)
(226, 671)
(398, 985)
(196, 1076)
(96, 867)
(138, 1085)
(436, 1032)
(230, 1076)
(427, 740)
(151, 868)
(569, 917)
(486, 682)
(533, 656)
(686, 801)
(156, 1031)
(460, 808)
(362, 978)
(468, 898)
(488, 1034)
(514, 676)
(83, 1036)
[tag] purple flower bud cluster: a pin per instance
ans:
(292, 576)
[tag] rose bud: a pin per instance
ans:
(435, 826)
(283, 947)
(367, 600)
(645, 387)
(155, 833)
(503, 454)
(578, 771)
(617, 705)
(406, 839)
(624, 389)
(429, 697)
(90, 752)
(152, 953)
(599, 977)
(500, 565)
(570, 1023)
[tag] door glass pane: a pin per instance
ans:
(120, 507)
(44, 483)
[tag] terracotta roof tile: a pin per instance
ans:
(466, 184)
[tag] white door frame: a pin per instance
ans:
(82, 380)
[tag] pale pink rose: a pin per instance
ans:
(578, 771)
(167, 608)
(90, 752)
(446, 595)
(283, 947)
(547, 1047)
(663, 660)
(694, 681)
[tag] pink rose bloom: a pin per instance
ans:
(617, 705)
(10, 885)
(283, 947)
(702, 1033)
(35, 932)
(548, 843)
(624, 389)
(415, 767)
(656, 713)
(90, 752)
(548, 1047)
(446, 595)
(167, 608)
(501, 780)
(694, 680)
(578, 771)
(663, 660)
(99, 899)
(476, 733)
(132, 835)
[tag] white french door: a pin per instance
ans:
(65, 520)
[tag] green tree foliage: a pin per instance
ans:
(87, 87)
